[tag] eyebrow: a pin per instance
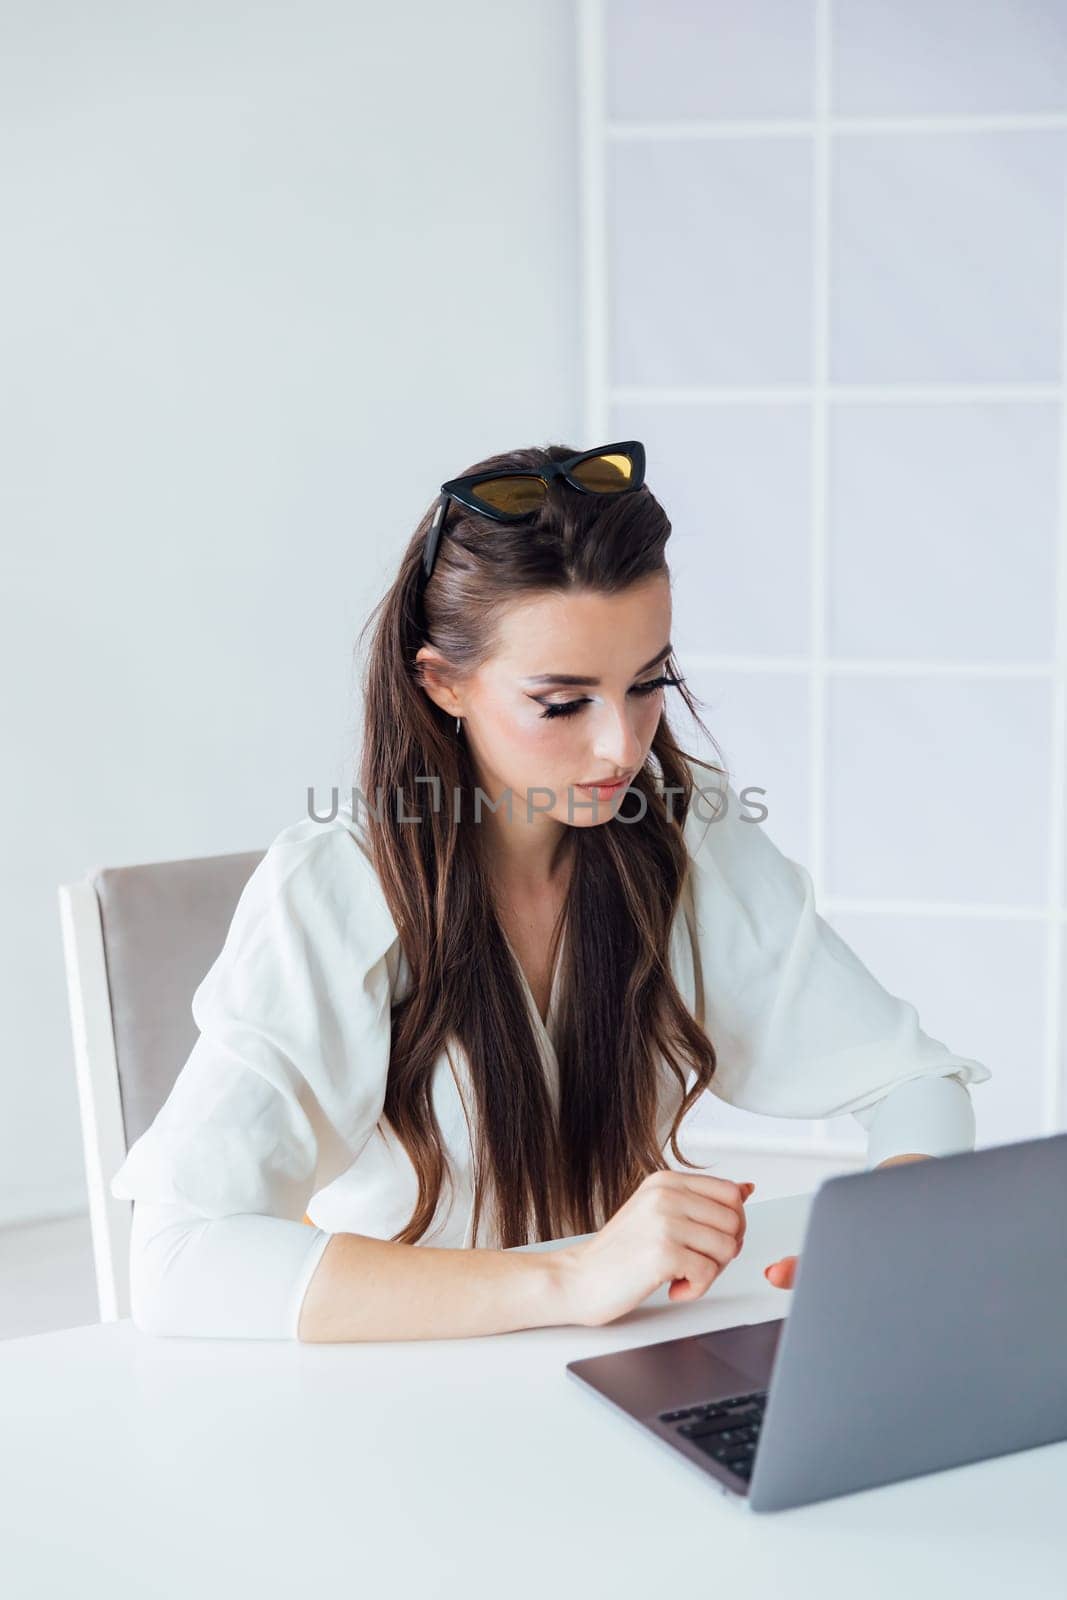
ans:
(593, 683)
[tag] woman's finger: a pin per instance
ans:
(703, 1239)
(781, 1273)
(700, 1209)
(724, 1189)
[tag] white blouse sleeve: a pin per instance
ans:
(281, 1091)
(800, 1025)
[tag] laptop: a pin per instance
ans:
(927, 1328)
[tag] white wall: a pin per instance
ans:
(270, 272)
(827, 289)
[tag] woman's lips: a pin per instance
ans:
(605, 790)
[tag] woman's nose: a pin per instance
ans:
(617, 744)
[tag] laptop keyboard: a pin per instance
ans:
(726, 1430)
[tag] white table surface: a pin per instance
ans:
(133, 1466)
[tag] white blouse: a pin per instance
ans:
(277, 1111)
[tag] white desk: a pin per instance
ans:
(142, 1468)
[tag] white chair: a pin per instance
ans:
(136, 943)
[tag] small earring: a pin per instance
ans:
(457, 724)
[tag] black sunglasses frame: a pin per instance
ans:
(462, 489)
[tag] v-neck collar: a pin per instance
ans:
(544, 1025)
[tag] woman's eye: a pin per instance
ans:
(568, 707)
(652, 684)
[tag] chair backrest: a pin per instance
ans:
(137, 942)
(163, 926)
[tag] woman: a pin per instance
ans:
(473, 1008)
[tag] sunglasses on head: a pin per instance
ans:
(509, 495)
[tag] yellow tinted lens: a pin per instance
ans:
(514, 495)
(605, 474)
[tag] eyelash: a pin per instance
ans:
(567, 708)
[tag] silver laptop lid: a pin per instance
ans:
(928, 1326)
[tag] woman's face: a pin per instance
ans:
(543, 738)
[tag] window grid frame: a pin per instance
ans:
(597, 133)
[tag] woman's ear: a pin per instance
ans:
(434, 675)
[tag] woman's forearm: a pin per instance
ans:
(365, 1288)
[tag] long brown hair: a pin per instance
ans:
(620, 1011)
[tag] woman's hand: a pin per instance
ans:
(782, 1273)
(679, 1228)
